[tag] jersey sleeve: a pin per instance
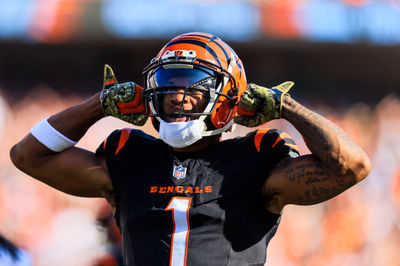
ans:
(113, 144)
(276, 142)
(110, 148)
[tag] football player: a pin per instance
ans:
(188, 198)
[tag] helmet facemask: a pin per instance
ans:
(185, 81)
(186, 75)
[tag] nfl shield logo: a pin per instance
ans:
(179, 172)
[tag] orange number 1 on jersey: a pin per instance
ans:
(179, 239)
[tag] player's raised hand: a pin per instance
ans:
(259, 105)
(124, 100)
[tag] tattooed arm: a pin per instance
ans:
(336, 162)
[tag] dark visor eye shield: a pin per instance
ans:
(184, 79)
(180, 77)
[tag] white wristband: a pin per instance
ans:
(50, 137)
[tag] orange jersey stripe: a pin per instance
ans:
(276, 141)
(282, 136)
(260, 134)
(123, 139)
(258, 137)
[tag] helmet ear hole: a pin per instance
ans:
(233, 92)
(232, 103)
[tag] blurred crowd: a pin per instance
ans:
(359, 227)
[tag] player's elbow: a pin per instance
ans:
(17, 157)
(360, 169)
(21, 159)
(364, 168)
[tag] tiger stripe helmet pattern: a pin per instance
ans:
(208, 64)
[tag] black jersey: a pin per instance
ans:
(198, 208)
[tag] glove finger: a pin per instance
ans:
(248, 101)
(113, 109)
(109, 77)
(261, 93)
(240, 120)
(248, 121)
(124, 92)
(138, 120)
(269, 109)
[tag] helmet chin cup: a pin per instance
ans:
(181, 134)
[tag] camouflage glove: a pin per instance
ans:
(123, 101)
(259, 105)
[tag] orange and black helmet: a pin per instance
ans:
(196, 61)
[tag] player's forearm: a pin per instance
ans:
(76, 120)
(73, 123)
(327, 141)
(44, 155)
